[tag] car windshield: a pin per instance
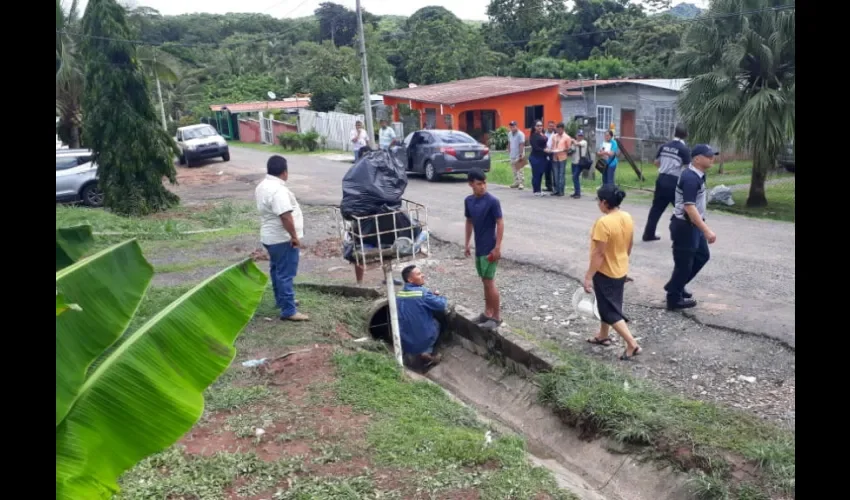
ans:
(456, 138)
(200, 132)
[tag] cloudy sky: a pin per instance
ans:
(464, 9)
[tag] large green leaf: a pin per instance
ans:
(149, 391)
(108, 287)
(71, 244)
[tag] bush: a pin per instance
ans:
(499, 139)
(290, 140)
(310, 140)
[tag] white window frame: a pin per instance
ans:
(665, 122)
(603, 125)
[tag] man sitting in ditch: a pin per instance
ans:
(421, 313)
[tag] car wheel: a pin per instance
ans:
(430, 172)
(225, 157)
(181, 160)
(92, 195)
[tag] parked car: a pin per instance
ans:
(199, 142)
(438, 152)
(786, 158)
(76, 177)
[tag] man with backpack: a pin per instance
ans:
(581, 162)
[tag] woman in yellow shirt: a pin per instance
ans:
(610, 247)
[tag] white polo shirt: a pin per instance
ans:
(273, 200)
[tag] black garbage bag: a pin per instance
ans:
(382, 231)
(373, 185)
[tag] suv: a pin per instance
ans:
(76, 177)
(198, 142)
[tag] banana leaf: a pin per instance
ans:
(108, 287)
(149, 391)
(71, 244)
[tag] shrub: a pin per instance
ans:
(290, 140)
(499, 139)
(310, 140)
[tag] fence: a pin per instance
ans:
(644, 150)
(249, 130)
(334, 127)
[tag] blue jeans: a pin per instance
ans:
(576, 179)
(690, 255)
(608, 176)
(538, 170)
(283, 266)
(558, 176)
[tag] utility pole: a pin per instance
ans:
(364, 72)
(159, 91)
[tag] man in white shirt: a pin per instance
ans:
(580, 156)
(281, 230)
(386, 136)
(359, 138)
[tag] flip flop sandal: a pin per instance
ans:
(626, 357)
(606, 342)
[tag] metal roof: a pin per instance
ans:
(253, 107)
(473, 89)
(673, 84)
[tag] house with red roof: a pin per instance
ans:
(480, 105)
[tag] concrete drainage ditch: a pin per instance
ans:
(504, 394)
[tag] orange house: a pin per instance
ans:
(480, 105)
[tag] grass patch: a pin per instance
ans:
(223, 397)
(416, 425)
(781, 203)
(173, 474)
(780, 196)
(179, 267)
(599, 399)
(275, 148)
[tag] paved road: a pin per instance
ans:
(747, 286)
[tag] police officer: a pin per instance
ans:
(688, 230)
(672, 158)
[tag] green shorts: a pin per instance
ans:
(485, 268)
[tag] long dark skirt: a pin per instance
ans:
(609, 298)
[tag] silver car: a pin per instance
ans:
(76, 177)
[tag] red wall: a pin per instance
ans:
(508, 108)
(249, 130)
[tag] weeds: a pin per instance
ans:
(593, 397)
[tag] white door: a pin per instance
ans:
(68, 173)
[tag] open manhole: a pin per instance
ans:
(378, 321)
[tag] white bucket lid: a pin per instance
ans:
(584, 304)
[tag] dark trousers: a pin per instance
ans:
(547, 175)
(690, 254)
(665, 194)
(283, 266)
(538, 170)
(608, 175)
(576, 179)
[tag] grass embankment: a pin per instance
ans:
(403, 439)
(780, 194)
(731, 454)
(277, 149)
(339, 423)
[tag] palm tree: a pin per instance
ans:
(69, 73)
(743, 91)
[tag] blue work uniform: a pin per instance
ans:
(417, 326)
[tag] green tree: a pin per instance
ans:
(131, 149)
(454, 57)
(69, 75)
(744, 88)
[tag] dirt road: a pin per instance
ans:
(748, 287)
